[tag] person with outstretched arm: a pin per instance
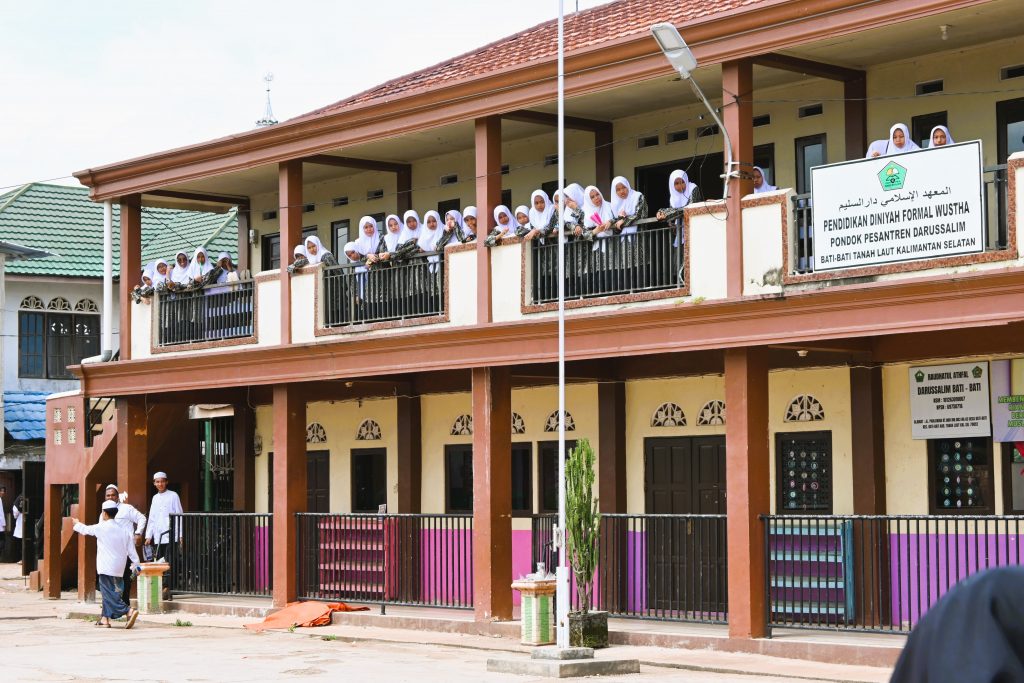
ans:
(114, 546)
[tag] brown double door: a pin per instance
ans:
(685, 556)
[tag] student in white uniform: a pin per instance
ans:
(19, 524)
(132, 520)
(114, 546)
(164, 504)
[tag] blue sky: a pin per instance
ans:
(85, 84)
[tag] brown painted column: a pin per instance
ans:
(88, 512)
(52, 522)
(747, 489)
(604, 157)
(855, 110)
(133, 451)
(488, 196)
(244, 458)
(738, 116)
(403, 181)
(244, 223)
(611, 460)
(131, 266)
(492, 494)
(290, 215)
(289, 487)
(410, 454)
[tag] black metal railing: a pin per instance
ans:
(650, 259)
(213, 313)
(670, 567)
(387, 559)
(356, 295)
(996, 207)
(98, 411)
(221, 553)
(876, 573)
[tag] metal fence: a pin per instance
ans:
(876, 573)
(224, 553)
(668, 567)
(387, 559)
(996, 206)
(356, 295)
(650, 259)
(210, 314)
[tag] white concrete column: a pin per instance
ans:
(107, 314)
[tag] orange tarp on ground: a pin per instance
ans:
(303, 614)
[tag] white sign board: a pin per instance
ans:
(950, 401)
(907, 207)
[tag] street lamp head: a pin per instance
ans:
(675, 48)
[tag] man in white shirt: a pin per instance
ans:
(164, 504)
(114, 546)
(132, 520)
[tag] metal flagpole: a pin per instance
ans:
(562, 572)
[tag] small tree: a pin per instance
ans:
(582, 520)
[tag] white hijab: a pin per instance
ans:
(522, 209)
(195, 269)
(677, 199)
(147, 272)
(391, 238)
(764, 186)
(540, 219)
(628, 204)
(949, 136)
(573, 191)
(320, 250)
(470, 211)
(428, 238)
(457, 215)
(594, 215)
(157, 278)
(886, 147)
(179, 274)
(300, 250)
(223, 277)
(366, 244)
(410, 234)
(510, 227)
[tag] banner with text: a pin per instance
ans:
(1008, 400)
(919, 205)
(950, 401)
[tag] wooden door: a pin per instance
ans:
(369, 479)
(318, 484)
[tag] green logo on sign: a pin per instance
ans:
(919, 376)
(977, 372)
(892, 176)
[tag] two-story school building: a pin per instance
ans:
(758, 380)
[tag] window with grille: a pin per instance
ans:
(804, 473)
(49, 342)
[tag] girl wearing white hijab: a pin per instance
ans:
(940, 136)
(572, 211)
(450, 230)
(504, 225)
(300, 258)
(368, 241)
(200, 267)
(680, 192)
(410, 228)
(628, 205)
(761, 181)
(227, 268)
(430, 234)
(179, 274)
(159, 273)
(597, 223)
(899, 142)
(316, 252)
(145, 286)
(388, 244)
(467, 233)
(522, 214)
(541, 210)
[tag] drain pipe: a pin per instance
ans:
(108, 282)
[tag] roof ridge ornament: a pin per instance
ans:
(268, 113)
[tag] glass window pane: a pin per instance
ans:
(30, 345)
(522, 495)
(459, 479)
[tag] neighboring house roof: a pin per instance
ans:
(583, 29)
(25, 414)
(16, 252)
(63, 221)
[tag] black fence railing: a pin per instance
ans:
(996, 211)
(876, 573)
(650, 259)
(356, 295)
(670, 567)
(213, 313)
(387, 559)
(223, 553)
(98, 411)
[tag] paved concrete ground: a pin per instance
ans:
(41, 642)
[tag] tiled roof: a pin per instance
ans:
(25, 414)
(584, 29)
(63, 221)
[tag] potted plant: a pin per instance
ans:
(582, 531)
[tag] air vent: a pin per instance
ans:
(269, 215)
(929, 88)
(375, 194)
(1008, 72)
(762, 120)
(648, 141)
(677, 136)
(707, 131)
(810, 110)
(339, 201)
(551, 160)
(450, 179)
(308, 208)
(504, 169)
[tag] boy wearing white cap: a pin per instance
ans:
(132, 520)
(164, 504)
(114, 546)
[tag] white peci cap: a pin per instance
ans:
(159, 475)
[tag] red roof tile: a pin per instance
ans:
(616, 19)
